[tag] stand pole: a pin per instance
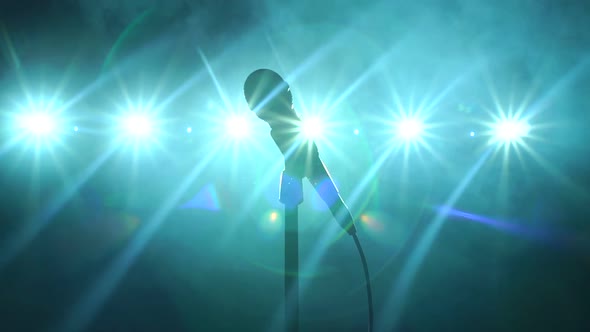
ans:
(291, 195)
(291, 270)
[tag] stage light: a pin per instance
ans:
(237, 126)
(137, 125)
(510, 130)
(311, 128)
(409, 129)
(38, 123)
(138, 130)
(472, 134)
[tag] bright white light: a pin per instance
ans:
(76, 128)
(237, 127)
(356, 132)
(510, 130)
(138, 125)
(189, 130)
(409, 129)
(472, 134)
(312, 128)
(39, 124)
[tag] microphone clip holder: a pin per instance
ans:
(290, 190)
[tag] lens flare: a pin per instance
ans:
(312, 128)
(371, 222)
(38, 124)
(510, 127)
(270, 225)
(273, 216)
(510, 130)
(238, 127)
(137, 125)
(206, 199)
(138, 129)
(409, 129)
(386, 229)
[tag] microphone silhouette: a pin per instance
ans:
(269, 96)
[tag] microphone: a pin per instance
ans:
(269, 96)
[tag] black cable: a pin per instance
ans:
(367, 278)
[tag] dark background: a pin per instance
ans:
(119, 250)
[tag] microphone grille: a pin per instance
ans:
(263, 85)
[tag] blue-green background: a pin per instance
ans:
(177, 235)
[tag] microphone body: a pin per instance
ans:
(302, 160)
(269, 96)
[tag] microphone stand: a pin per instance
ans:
(291, 195)
(269, 96)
